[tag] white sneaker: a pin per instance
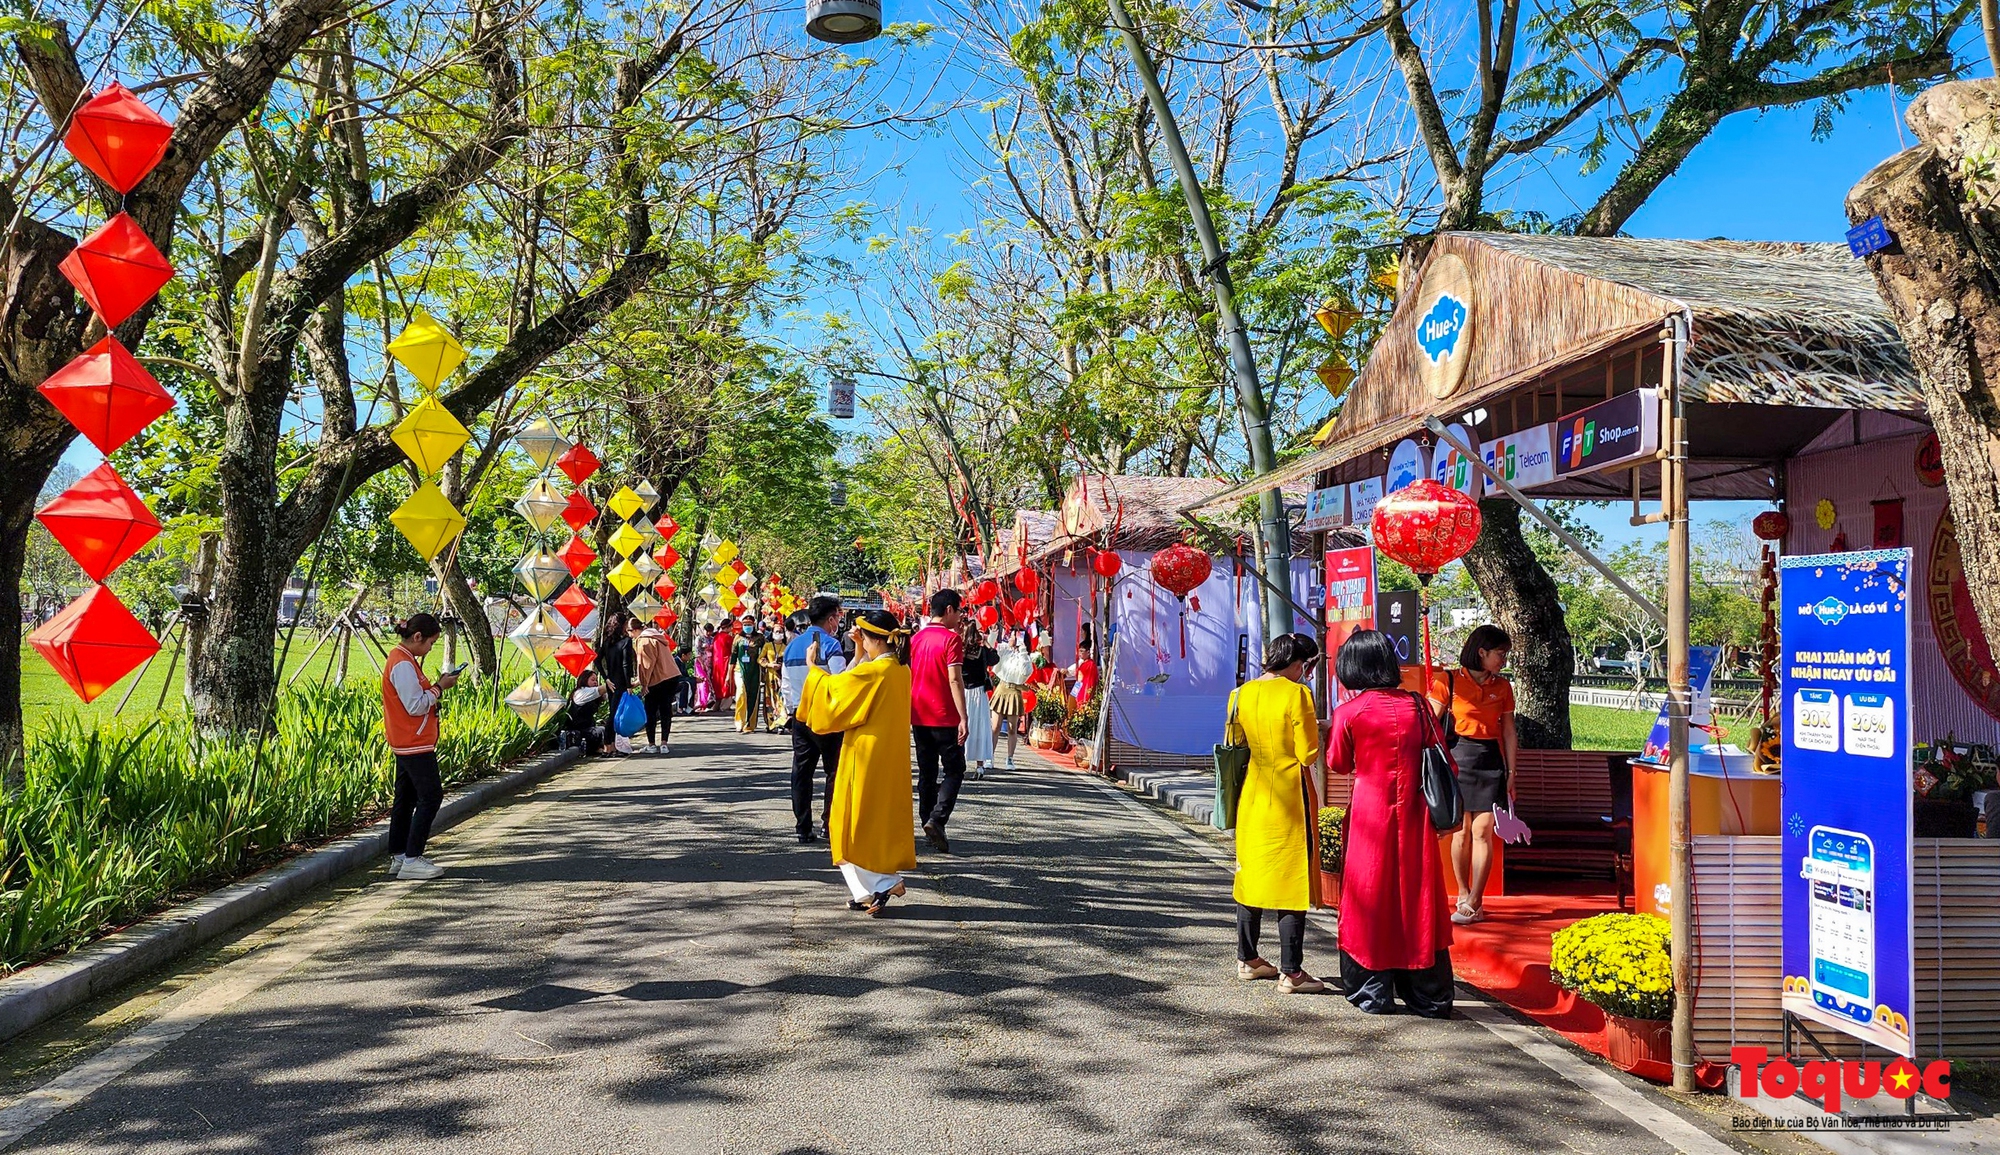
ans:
(419, 869)
(649, 749)
(395, 864)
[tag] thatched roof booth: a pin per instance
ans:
(1784, 337)
(1034, 527)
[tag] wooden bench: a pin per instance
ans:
(1581, 819)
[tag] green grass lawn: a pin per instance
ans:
(1607, 728)
(45, 696)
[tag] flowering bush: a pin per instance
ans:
(1332, 838)
(1617, 961)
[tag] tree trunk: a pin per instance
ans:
(465, 605)
(1524, 602)
(17, 510)
(1942, 282)
(233, 674)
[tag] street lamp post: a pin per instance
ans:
(1277, 533)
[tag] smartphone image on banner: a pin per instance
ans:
(1840, 869)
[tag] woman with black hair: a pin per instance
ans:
(870, 828)
(1394, 932)
(1480, 704)
(1274, 716)
(410, 722)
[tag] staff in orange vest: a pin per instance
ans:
(410, 720)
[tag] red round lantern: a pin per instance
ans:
(1770, 525)
(1106, 563)
(1426, 526)
(1026, 581)
(985, 592)
(1180, 567)
(1024, 611)
(988, 617)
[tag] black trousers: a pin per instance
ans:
(938, 749)
(418, 793)
(809, 752)
(1291, 936)
(1425, 992)
(660, 711)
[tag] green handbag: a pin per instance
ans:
(1232, 765)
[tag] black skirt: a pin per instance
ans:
(1482, 774)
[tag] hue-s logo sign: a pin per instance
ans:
(1439, 330)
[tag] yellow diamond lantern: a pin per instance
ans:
(728, 600)
(428, 520)
(725, 552)
(541, 505)
(426, 350)
(539, 635)
(625, 503)
(542, 442)
(535, 701)
(623, 577)
(429, 435)
(541, 574)
(625, 539)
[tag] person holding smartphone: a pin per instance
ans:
(410, 720)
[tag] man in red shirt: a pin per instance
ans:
(937, 714)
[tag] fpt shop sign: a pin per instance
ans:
(1848, 894)
(1614, 432)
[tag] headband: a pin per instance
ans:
(878, 631)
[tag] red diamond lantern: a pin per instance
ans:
(578, 463)
(666, 588)
(107, 394)
(1180, 568)
(739, 588)
(575, 656)
(666, 618)
(579, 512)
(577, 555)
(1426, 526)
(100, 521)
(668, 527)
(666, 555)
(574, 605)
(117, 269)
(118, 137)
(93, 643)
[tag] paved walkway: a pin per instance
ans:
(637, 957)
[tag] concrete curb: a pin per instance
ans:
(42, 992)
(1191, 794)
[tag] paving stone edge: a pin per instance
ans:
(40, 993)
(1191, 794)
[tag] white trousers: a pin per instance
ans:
(866, 883)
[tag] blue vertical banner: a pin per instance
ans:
(1849, 903)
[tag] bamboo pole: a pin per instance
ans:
(1679, 698)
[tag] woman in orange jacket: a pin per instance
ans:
(410, 721)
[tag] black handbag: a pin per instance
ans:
(1232, 766)
(1437, 775)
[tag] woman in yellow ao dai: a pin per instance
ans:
(871, 829)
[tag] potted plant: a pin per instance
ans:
(1051, 712)
(1082, 730)
(1619, 962)
(1332, 854)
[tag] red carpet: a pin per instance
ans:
(1507, 956)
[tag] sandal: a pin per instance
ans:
(879, 905)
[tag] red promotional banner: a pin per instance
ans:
(1350, 594)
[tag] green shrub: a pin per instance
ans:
(115, 820)
(1083, 720)
(1051, 708)
(1332, 839)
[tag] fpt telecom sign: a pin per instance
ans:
(1445, 324)
(1524, 459)
(1849, 902)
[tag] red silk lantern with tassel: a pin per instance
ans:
(115, 135)
(1426, 526)
(1180, 567)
